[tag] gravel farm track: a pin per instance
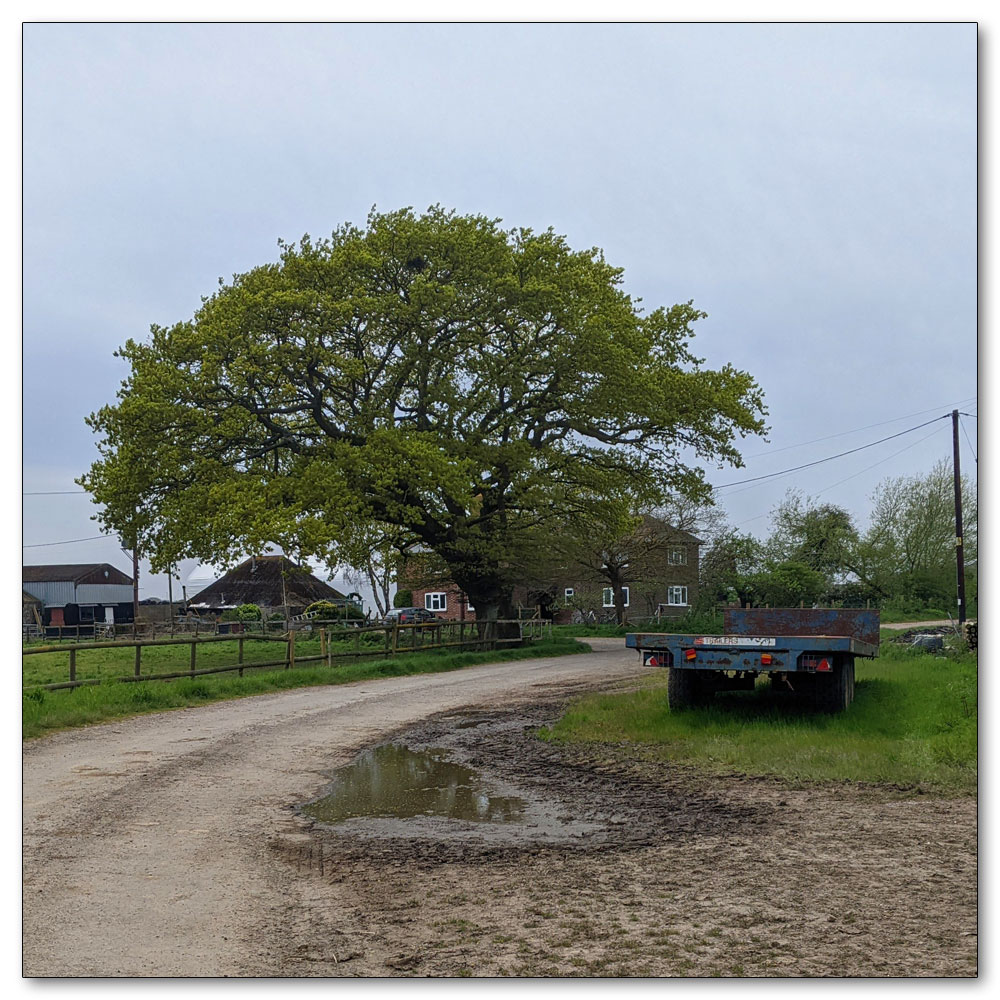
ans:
(172, 845)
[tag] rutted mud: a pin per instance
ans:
(564, 801)
(638, 868)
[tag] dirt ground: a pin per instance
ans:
(174, 845)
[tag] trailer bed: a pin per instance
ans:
(731, 644)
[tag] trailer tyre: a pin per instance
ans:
(687, 689)
(835, 692)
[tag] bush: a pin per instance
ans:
(403, 599)
(328, 611)
(325, 609)
(248, 613)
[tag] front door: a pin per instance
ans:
(109, 615)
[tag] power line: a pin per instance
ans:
(829, 437)
(853, 475)
(881, 461)
(969, 442)
(830, 458)
(69, 541)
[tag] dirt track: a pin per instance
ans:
(171, 845)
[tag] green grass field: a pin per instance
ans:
(913, 724)
(46, 711)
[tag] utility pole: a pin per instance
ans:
(170, 593)
(959, 554)
(135, 586)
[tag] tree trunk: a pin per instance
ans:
(492, 603)
(614, 577)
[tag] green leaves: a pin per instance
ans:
(468, 385)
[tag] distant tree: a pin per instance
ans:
(375, 554)
(474, 387)
(908, 550)
(788, 584)
(614, 558)
(730, 568)
(820, 536)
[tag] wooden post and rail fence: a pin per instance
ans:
(334, 644)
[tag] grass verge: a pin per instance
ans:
(47, 711)
(913, 724)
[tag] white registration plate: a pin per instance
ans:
(734, 640)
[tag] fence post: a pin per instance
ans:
(322, 642)
(72, 664)
(239, 658)
(194, 655)
(138, 660)
(357, 645)
(291, 649)
(395, 639)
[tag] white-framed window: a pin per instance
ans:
(436, 602)
(568, 593)
(677, 557)
(608, 597)
(677, 596)
(468, 603)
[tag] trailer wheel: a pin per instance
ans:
(835, 692)
(687, 689)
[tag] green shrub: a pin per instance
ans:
(328, 611)
(325, 609)
(403, 599)
(249, 613)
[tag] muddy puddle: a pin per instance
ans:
(396, 782)
(459, 784)
(436, 784)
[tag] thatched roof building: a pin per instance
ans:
(267, 581)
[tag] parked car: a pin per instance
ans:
(409, 616)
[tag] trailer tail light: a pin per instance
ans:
(823, 664)
(766, 659)
(653, 660)
(690, 654)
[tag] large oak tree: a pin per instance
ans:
(473, 386)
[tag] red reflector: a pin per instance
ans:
(690, 654)
(823, 665)
(653, 661)
(765, 659)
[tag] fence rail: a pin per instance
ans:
(396, 640)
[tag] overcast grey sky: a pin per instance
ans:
(811, 187)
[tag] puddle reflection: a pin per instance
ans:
(394, 781)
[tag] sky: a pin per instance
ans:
(812, 187)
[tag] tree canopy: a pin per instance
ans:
(469, 385)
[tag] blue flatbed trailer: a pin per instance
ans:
(805, 651)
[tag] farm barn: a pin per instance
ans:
(79, 593)
(270, 582)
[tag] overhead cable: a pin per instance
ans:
(829, 437)
(867, 468)
(968, 441)
(69, 541)
(830, 458)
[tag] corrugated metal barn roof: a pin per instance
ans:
(74, 573)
